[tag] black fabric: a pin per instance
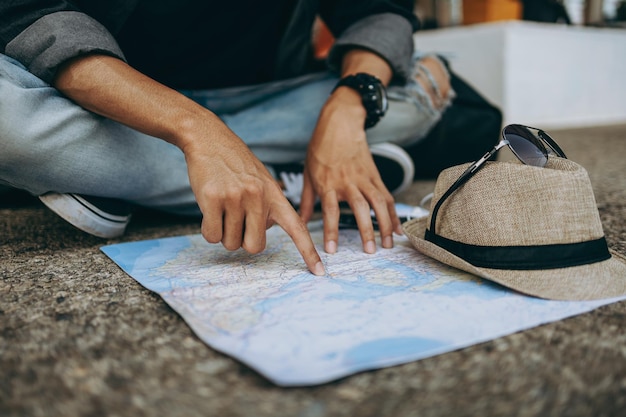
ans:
(202, 46)
(548, 11)
(391, 172)
(186, 43)
(519, 258)
(467, 129)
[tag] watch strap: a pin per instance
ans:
(373, 95)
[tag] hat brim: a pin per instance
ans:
(606, 279)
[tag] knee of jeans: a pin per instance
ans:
(23, 143)
(18, 157)
(11, 129)
(428, 87)
(431, 73)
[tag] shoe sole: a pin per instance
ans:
(403, 159)
(85, 216)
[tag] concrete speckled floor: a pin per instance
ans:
(78, 337)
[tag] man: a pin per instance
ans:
(99, 98)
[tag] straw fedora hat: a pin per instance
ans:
(535, 230)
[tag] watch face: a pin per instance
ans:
(381, 95)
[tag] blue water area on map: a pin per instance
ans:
(126, 254)
(362, 288)
(139, 259)
(389, 348)
(481, 289)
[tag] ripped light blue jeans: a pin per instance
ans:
(48, 143)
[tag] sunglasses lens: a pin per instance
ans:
(526, 146)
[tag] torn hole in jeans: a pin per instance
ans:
(429, 85)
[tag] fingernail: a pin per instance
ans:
(319, 269)
(370, 247)
(331, 246)
(399, 230)
(387, 242)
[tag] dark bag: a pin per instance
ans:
(467, 129)
(549, 11)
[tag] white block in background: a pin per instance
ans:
(548, 75)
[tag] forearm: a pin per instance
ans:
(390, 35)
(238, 197)
(111, 88)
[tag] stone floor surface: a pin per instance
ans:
(78, 337)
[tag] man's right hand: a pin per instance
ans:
(238, 197)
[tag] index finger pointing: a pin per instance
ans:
(287, 218)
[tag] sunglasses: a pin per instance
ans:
(530, 145)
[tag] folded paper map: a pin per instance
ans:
(370, 311)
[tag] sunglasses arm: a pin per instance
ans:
(476, 165)
(471, 170)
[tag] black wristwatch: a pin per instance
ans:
(373, 95)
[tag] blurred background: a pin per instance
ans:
(443, 13)
(545, 63)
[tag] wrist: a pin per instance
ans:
(372, 93)
(346, 104)
(191, 129)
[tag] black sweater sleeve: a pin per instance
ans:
(385, 27)
(43, 34)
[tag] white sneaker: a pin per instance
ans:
(102, 217)
(394, 165)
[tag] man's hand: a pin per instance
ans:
(239, 199)
(237, 196)
(339, 166)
